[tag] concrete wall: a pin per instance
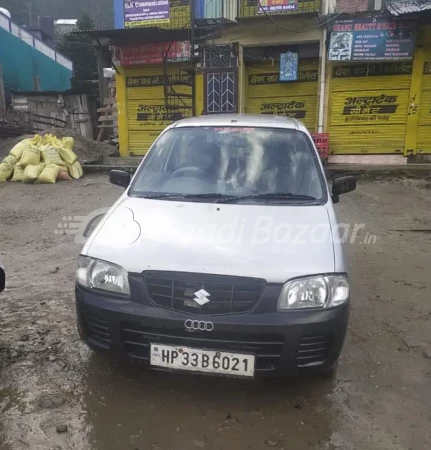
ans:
(261, 31)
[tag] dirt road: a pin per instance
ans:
(54, 394)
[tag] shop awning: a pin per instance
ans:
(401, 7)
(138, 35)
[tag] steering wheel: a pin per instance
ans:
(194, 172)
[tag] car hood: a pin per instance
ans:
(272, 242)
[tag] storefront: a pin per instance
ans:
(154, 88)
(147, 112)
(423, 107)
(369, 108)
(298, 99)
(282, 80)
(372, 86)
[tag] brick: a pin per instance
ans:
(352, 6)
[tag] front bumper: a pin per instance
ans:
(292, 343)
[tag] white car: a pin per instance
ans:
(222, 256)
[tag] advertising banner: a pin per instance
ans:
(372, 39)
(289, 66)
(141, 54)
(146, 12)
(272, 6)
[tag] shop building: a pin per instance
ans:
(192, 57)
(358, 71)
(379, 91)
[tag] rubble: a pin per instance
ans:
(88, 150)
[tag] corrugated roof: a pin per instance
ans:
(400, 7)
(139, 35)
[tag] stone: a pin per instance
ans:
(61, 428)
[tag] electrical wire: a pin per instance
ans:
(268, 16)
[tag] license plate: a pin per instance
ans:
(207, 361)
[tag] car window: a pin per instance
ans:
(231, 161)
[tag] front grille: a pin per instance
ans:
(313, 350)
(228, 295)
(97, 331)
(267, 347)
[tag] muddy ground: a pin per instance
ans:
(55, 394)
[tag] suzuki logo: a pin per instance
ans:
(202, 297)
(196, 325)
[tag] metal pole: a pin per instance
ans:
(192, 53)
(323, 62)
(323, 68)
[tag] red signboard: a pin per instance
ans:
(140, 54)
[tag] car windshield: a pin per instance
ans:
(229, 164)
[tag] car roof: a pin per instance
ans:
(241, 120)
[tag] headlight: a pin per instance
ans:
(314, 292)
(101, 275)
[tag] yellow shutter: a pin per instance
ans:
(299, 99)
(146, 106)
(424, 131)
(368, 108)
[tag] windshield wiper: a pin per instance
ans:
(270, 196)
(158, 195)
(215, 195)
(161, 195)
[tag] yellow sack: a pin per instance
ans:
(37, 140)
(18, 173)
(9, 161)
(50, 155)
(6, 168)
(32, 172)
(5, 173)
(49, 174)
(67, 154)
(68, 142)
(75, 170)
(30, 156)
(18, 150)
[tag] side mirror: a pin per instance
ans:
(342, 185)
(120, 178)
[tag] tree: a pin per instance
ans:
(25, 12)
(79, 49)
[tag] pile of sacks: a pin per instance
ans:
(42, 159)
